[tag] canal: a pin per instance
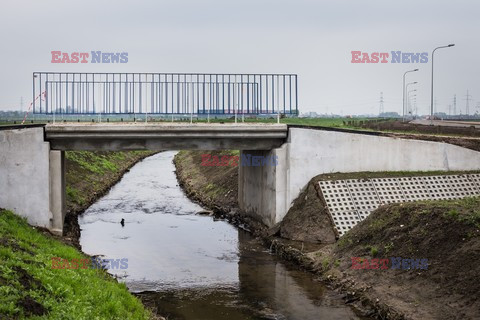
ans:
(194, 267)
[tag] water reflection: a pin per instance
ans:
(192, 267)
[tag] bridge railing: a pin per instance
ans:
(164, 93)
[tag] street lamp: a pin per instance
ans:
(431, 99)
(403, 93)
(409, 100)
(406, 87)
(405, 104)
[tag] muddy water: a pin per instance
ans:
(190, 266)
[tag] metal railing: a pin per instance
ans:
(164, 93)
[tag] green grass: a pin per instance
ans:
(96, 163)
(323, 122)
(466, 210)
(74, 196)
(63, 293)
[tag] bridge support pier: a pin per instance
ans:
(57, 190)
(262, 190)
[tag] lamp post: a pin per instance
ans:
(406, 87)
(404, 105)
(403, 93)
(408, 99)
(431, 99)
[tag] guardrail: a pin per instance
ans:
(164, 93)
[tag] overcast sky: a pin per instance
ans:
(313, 39)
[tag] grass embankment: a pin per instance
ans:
(29, 287)
(89, 175)
(322, 122)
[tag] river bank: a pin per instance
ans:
(29, 285)
(32, 285)
(445, 233)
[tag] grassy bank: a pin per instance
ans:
(89, 175)
(30, 287)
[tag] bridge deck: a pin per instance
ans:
(164, 136)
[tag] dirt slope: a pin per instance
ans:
(447, 233)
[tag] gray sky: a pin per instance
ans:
(313, 39)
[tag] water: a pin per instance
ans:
(190, 266)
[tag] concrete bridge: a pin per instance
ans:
(165, 136)
(32, 180)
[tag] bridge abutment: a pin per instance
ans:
(262, 190)
(25, 174)
(268, 192)
(32, 176)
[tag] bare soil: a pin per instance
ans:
(445, 233)
(31, 307)
(420, 129)
(466, 142)
(308, 219)
(215, 187)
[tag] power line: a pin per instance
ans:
(467, 104)
(382, 110)
(454, 104)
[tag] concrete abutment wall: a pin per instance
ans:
(32, 179)
(268, 192)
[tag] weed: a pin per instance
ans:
(388, 247)
(325, 263)
(373, 251)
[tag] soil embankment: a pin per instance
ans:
(215, 187)
(467, 137)
(445, 233)
(409, 127)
